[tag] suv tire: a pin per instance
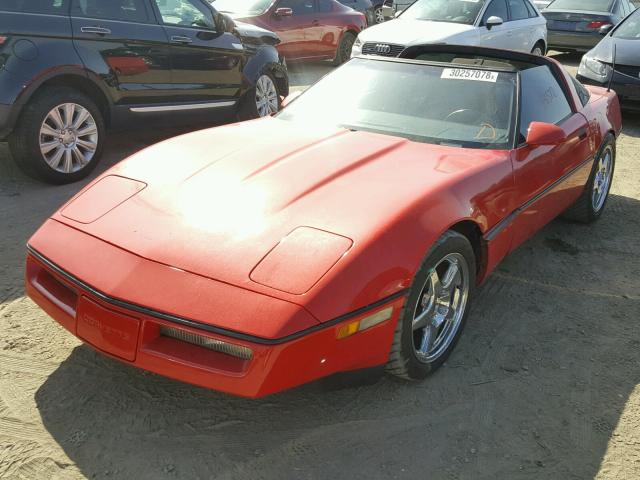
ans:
(59, 137)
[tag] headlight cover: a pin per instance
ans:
(594, 69)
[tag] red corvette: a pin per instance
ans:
(349, 231)
(308, 29)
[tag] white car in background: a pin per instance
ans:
(506, 24)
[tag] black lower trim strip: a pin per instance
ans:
(504, 223)
(203, 326)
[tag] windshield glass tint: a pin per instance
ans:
(453, 11)
(245, 7)
(630, 28)
(589, 5)
(436, 104)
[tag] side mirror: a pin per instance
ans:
(226, 23)
(493, 21)
(291, 97)
(283, 12)
(604, 29)
(541, 133)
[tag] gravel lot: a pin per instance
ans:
(545, 382)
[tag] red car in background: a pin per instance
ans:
(308, 29)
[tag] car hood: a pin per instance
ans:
(627, 51)
(407, 32)
(215, 202)
(253, 34)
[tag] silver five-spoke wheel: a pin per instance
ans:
(440, 309)
(68, 138)
(602, 179)
(379, 15)
(266, 96)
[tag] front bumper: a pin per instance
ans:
(124, 330)
(579, 41)
(627, 88)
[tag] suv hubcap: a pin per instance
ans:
(602, 179)
(266, 96)
(440, 308)
(68, 138)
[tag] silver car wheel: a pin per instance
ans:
(68, 138)
(602, 179)
(537, 51)
(266, 96)
(379, 15)
(441, 306)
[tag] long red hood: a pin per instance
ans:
(215, 202)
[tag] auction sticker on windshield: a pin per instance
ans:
(469, 74)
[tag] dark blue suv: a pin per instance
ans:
(71, 68)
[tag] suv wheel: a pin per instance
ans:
(59, 136)
(262, 100)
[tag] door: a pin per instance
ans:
(522, 31)
(328, 31)
(497, 36)
(548, 178)
(121, 41)
(295, 30)
(206, 65)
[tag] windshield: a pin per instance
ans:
(243, 7)
(588, 5)
(630, 28)
(452, 11)
(466, 107)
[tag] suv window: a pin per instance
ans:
(49, 7)
(299, 7)
(518, 10)
(127, 10)
(542, 99)
(497, 8)
(186, 13)
(530, 9)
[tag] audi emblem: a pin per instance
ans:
(383, 48)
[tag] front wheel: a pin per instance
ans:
(59, 136)
(344, 48)
(262, 100)
(379, 15)
(436, 309)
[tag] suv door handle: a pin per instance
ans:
(96, 30)
(181, 39)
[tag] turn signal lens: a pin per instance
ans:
(369, 321)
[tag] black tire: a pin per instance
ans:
(344, 48)
(248, 109)
(583, 210)
(24, 142)
(403, 359)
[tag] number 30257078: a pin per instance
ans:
(469, 74)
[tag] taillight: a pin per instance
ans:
(598, 24)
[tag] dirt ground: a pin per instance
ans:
(544, 384)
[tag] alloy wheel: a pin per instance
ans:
(602, 179)
(441, 306)
(68, 138)
(266, 96)
(379, 15)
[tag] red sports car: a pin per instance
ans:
(349, 231)
(308, 29)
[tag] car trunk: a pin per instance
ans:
(576, 20)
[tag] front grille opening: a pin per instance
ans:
(231, 349)
(382, 49)
(56, 291)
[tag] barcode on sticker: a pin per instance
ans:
(468, 74)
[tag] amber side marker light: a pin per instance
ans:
(356, 326)
(237, 351)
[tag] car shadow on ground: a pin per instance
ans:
(535, 389)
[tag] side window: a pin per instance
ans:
(518, 10)
(299, 7)
(542, 99)
(530, 9)
(186, 13)
(617, 9)
(325, 6)
(127, 10)
(583, 93)
(48, 7)
(497, 8)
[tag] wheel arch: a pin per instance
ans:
(472, 232)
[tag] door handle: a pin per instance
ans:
(96, 30)
(181, 39)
